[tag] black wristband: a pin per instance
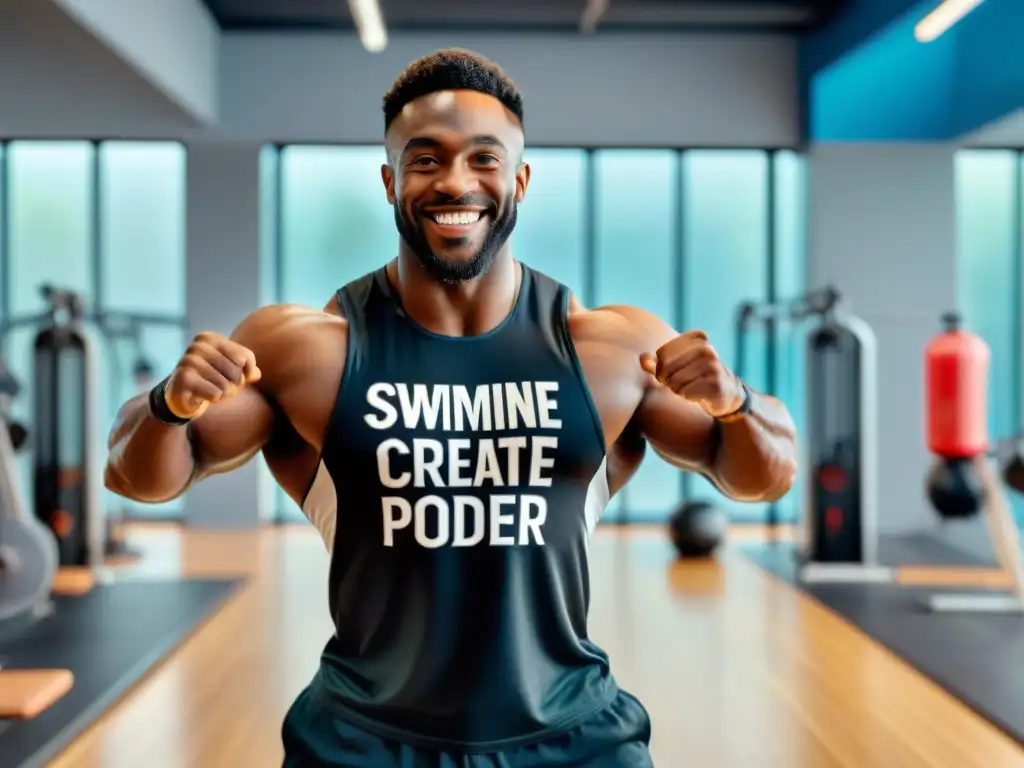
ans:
(744, 408)
(158, 407)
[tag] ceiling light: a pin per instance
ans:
(369, 24)
(948, 13)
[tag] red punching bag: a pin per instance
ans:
(956, 386)
(956, 416)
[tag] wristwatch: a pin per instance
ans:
(743, 410)
(158, 407)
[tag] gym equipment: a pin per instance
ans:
(839, 520)
(962, 481)
(956, 392)
(67, 472)
(28, 567)
(954, 489)
(28, 551)
(697, 528)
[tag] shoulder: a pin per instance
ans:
(623, 326)
(288, 328)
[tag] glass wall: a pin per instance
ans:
(336, 224)
(550, 233)
(636, 209)
(684, 234)
(106, 220)
(727, 261)
(990, 211)
(50, 232)
(785, 363)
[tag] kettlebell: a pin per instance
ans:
(954, 488)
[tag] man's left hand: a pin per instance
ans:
(690, 367)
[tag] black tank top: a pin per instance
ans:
(470, 473)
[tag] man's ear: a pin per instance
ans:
(522, 181)
(387, 175)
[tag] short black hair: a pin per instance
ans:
(451, 69)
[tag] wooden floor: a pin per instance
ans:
(737, 668)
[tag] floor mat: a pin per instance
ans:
(926, 549)
(109, 639)
(977, 658)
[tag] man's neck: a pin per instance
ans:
(467, 308)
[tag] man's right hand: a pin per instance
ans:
(213, 368)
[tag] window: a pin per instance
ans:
(270, 190)
(336, 224)
(790, 270)
(272, 498)
(142, 220)
(988, 272)
(635, 224)
(986, 249)
(51, 224)
(725, 209)
(50, 203)
(141, 270)
(122, 249)
(550, 232)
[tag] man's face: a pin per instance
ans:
(455, 178)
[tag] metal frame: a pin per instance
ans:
(869, 569)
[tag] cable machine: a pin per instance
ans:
(839, 520)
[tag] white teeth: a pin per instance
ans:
(462, 217)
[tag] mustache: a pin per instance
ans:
(469, 199)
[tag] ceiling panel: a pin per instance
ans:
(497, 15)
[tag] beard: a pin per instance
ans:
(453, 271)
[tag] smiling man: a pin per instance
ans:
(453, 424)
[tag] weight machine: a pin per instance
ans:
(67, 458)
(839, 520)
(28, 551)
(28, 568)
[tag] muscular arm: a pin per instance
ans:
(750, 459)
(151, 462)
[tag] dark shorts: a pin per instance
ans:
(616, 737)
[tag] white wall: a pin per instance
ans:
(173, 43)
(69, 69)
(58, 81)
(667, 90)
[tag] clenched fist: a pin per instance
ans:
(212, 368)
(690, 367)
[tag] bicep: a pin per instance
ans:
(232, 431)
(677, 430)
